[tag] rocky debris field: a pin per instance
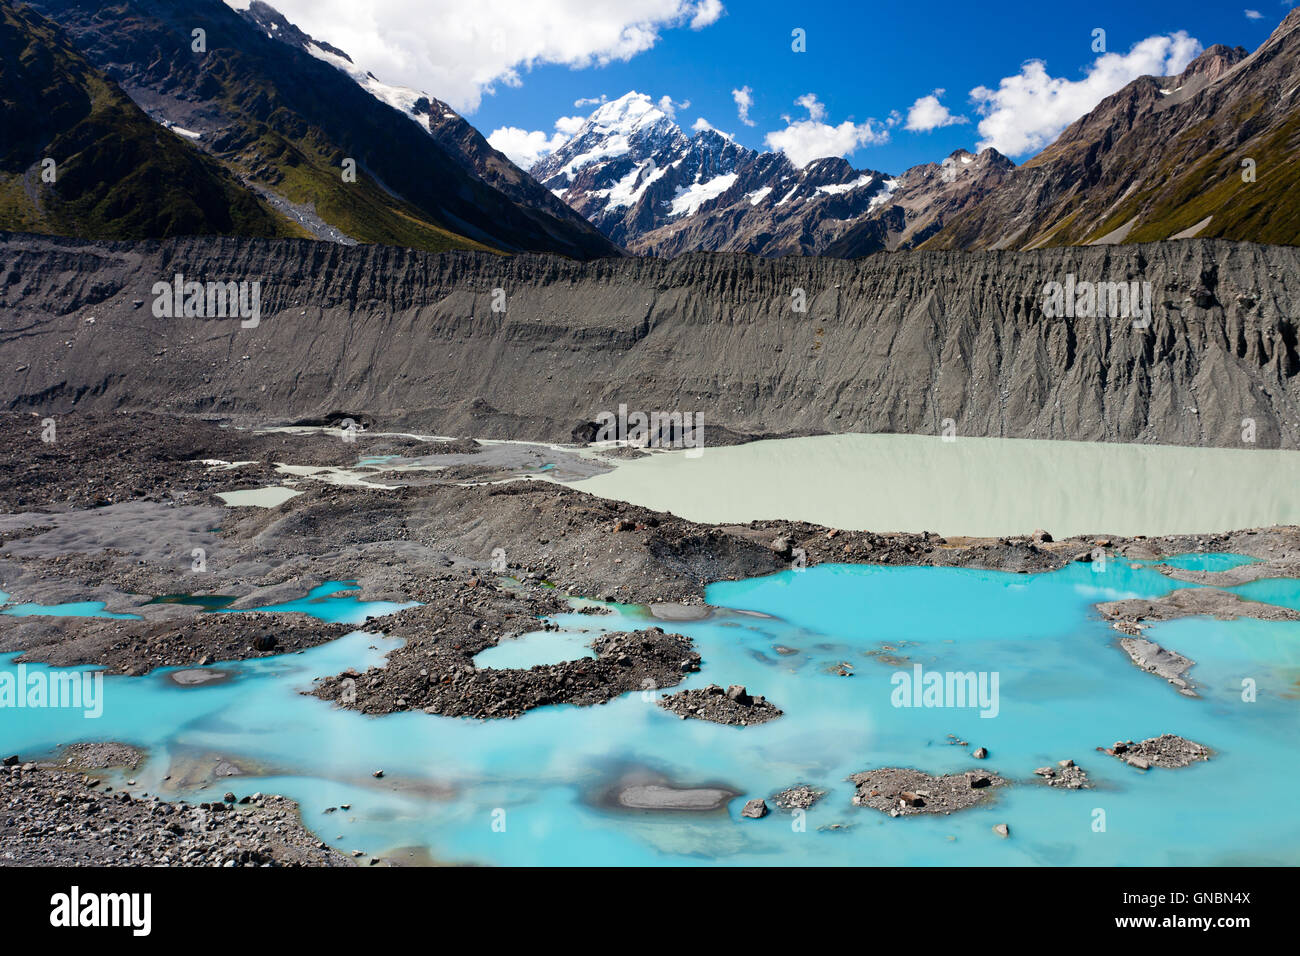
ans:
(137, 647)
(435, 672)
(901, 791)
(1066, 775)
(1167, 750)
(733, 706)
(89, 461)
(799, 797)
(96, 755)
(56, 817)
(1189, 602)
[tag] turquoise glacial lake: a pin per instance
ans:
(1064, 688)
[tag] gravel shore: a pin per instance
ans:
(59, 817)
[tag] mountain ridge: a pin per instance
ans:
(283, 121)
(55, 107)
(1161, 158)
(635, 174)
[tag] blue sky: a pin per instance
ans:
(864, 61)
(519, 66)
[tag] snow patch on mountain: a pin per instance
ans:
(691, 198)
(628, 190)
(884, 196)
(401, 98)
(835, 189)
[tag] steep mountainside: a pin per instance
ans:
(1163, 158)
(451, 131)
(116, 173)
(888, 343)
(926, 197)
(284, 120)
(636, 175)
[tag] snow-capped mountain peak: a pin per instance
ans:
(633, 173)
(631, 128)
(627, 114)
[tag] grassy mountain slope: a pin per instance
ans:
(1162, 158)
(118, 174)
(284, 121)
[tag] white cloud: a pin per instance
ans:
(591, 101)
(928, 113)
(814, 107)
(706, 13)
(813, 138)
(1029, 110)
(744, 98)
(525, 147)
(471, 45)
(669, 108)
(568, 125)
(701, 124)
(1254, 15)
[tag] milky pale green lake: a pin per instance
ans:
(967, 486)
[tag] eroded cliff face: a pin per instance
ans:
(898, 343)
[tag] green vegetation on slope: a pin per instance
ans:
(118, 174)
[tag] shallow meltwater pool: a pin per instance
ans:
(334, 601)
(536, 648)
(825, 645)
(68, 609)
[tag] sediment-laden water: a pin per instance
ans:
(967, 486)
(824, 645)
